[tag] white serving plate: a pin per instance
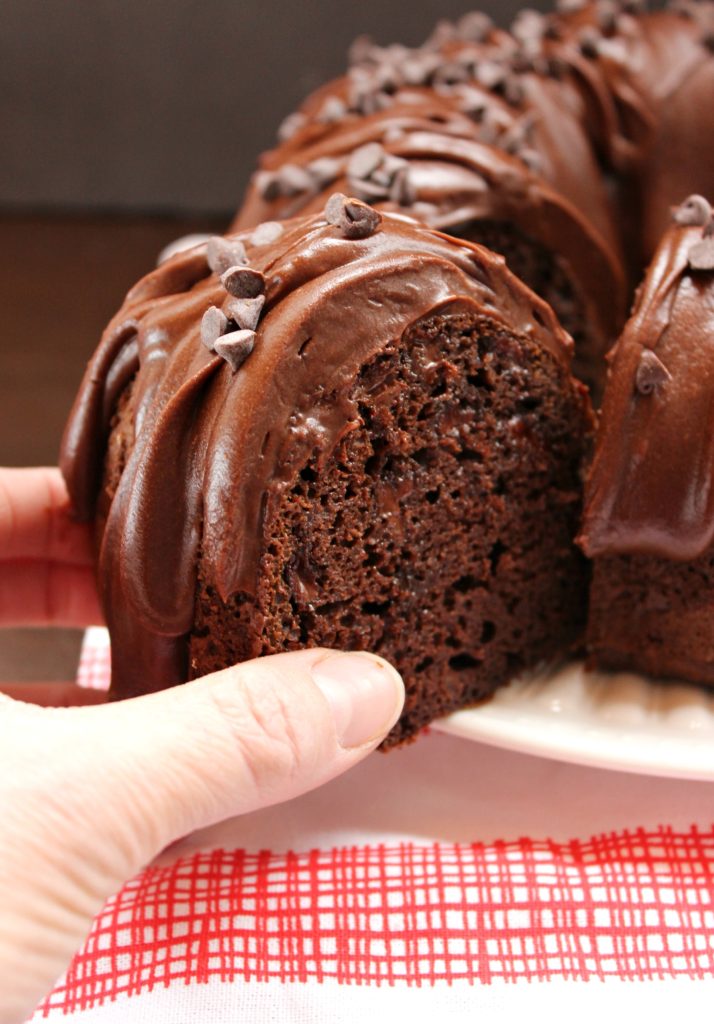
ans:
(611, 720)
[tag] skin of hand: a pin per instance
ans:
(92, 792)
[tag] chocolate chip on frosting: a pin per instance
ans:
(222, 253)
(401, 190)
(353, 218)
(294, 179)
(529, 27)
(589, 40)
(324, 170)
(606, 13)
(651, 373)
(267, 232)
(291, 125)
(695, 211)
(243, 282)
(701, 255)
(235, 347)
(365, 160)
(474, 27)
(491, 73)
(246, 312)
(332, 110)
(213, 325)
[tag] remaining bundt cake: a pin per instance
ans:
(649, 513)
(553, 144)
(451, 134)
(348, 430)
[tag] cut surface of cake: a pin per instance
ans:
(348, 431)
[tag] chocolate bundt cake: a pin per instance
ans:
(340, 427)
(649, 511)
(561, 144)
(348, 430)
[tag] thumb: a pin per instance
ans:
(89, 795)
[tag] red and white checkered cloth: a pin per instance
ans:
(443, 880)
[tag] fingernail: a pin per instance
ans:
(365, 695)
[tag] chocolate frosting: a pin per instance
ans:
(210, 444)
(456, 176)
(650, 489)
(647, 80)
(599, 76)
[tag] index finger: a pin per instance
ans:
(35, 520)
(53, 695)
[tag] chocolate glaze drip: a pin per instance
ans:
(210, 445)
(650, 489)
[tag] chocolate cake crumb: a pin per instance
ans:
(438, 533)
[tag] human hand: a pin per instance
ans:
(90, 794)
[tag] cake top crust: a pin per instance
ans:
(650, 488)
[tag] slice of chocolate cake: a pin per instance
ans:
(649, 510)
(348, 430)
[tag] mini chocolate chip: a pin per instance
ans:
(324, 170)
(222, 253)
(513, 90)
(291, 126)
(634, 6)
(235, 347)
(450, 73)
(246, 312)
(418, 69)
(243, 282)
(332, 110)
(213, 325)
(694, 211)
(651, 373)
(532, 159)
(181, 245)
(294, 180)
(490, 74)
(267, 232)
(589, 40)
(367, 191)
(444, 32)
(402, 190)
(353, 218)
(365, 160)
(394, 134)
(361, 50)
(267, 184)
(606, 13)
(382, 176)
(529, 26)
(701, 255)
(474, 27)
